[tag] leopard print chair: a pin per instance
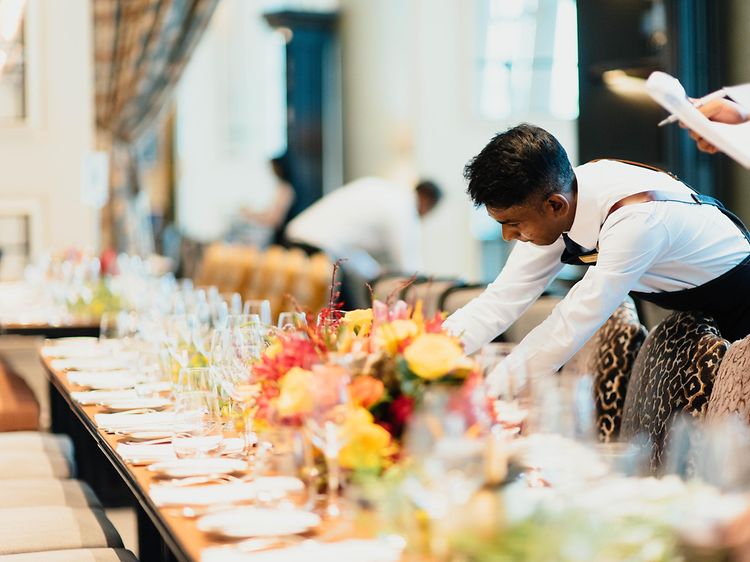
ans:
(616, 346)
(673, 373)
(609, 356)
(731, 393)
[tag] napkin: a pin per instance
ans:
(89, 397)
(107, 363)
(166, 494)
(73, 352)
(103, 380)
(129, 422)
(354, 550)
(138, 452)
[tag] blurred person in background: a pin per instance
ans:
(371, 223)
(263, 227)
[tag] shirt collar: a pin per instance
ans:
(586, 223)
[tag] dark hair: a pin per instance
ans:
(280, 166)
(430, 189)
(522, 163)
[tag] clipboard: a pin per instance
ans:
(733, 140)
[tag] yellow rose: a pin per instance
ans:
(390, 335)
(273, 349)
(295, 397)
(359, 321)
(431, 356)
(368, 445)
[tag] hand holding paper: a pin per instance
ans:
(732, 139)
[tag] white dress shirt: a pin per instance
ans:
(650, 247)
(369, 215)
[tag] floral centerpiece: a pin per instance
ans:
(391, 352)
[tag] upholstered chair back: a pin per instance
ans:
(613, 351)
(673, 373)
(731, 393)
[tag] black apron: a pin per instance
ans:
(726, 298)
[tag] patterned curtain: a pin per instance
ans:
(141, 48)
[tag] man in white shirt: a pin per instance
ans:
(371, 223)
(642, 231)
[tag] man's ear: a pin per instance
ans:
(557, 203)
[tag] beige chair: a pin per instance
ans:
(456, 297)
(429, 291)
(74, 555)
(531, 318)
(37, 529)
(46, 492)
(31, 454)
(392, 286)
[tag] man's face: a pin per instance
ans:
(539, 223)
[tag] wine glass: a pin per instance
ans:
(260, 307)
(285, 472)
(326, 422)
(291, 320)
(197, 430)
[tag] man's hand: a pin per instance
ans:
(721, 111)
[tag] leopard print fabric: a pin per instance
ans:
(616, 346)
(731, 393)
(674, 372)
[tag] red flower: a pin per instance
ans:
(401, 409)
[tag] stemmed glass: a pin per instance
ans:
(198, 429)
(330, 393)
(260, 307)
(291, 320)
(233, 351)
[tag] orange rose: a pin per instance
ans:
(366, 391)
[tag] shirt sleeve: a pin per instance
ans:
(628, 247)
(526, 274)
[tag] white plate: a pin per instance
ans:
(255, 522)
(181, 468)
(136, 403)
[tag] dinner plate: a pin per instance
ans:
(136, 403)
(181, 468)
(247, 522)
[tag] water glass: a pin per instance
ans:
(260, 307)
(285, 452)
(198, 428)
(291, 321)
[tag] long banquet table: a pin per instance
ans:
(163, 533)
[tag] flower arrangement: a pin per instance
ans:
(390, 352)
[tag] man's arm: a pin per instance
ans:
(526, 274)
(627, 249)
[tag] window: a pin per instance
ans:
(12, 62)
(527, 58)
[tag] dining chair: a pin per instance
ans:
(35, 454)
(74, 555)
(673, 374)
(731, 392)
(49, 528)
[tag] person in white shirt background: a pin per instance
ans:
(640, 229)
(371, 223)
